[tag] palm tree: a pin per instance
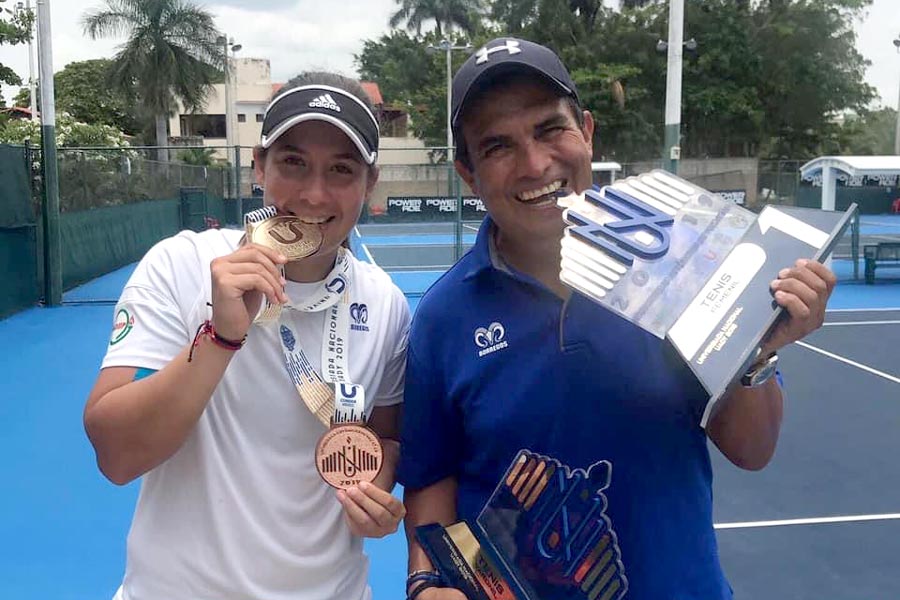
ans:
(171, 52)
(446, 14)
(201, 157)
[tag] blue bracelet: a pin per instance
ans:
(426, 576)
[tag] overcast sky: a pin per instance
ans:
(297, 35)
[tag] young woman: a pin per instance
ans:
(221, 412)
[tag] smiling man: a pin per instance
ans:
(502, 356)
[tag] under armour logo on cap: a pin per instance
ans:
(503, 56)
(511, 46)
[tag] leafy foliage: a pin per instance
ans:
(15, 28)
(69, 133)
(84, 90)
(446, 15)
(171, 51)
(769, 77)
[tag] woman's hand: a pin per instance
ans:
(239, 282)
(371, 511)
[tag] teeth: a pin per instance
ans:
(313, 221)
(547, 189)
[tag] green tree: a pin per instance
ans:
(84, 90)
(23, 97)
(446, 14)
(203, 157)
(767, 80)
(513, 15)
(810, 72)
(15, 28)
(170, 52)
(69, 133)
(409, 76)
(869, 133)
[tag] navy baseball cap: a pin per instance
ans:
(502, 56)
(323, 103)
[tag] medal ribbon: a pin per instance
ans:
(314, 389)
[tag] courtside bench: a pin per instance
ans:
(882, 254)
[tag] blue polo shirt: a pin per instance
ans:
(498, 363)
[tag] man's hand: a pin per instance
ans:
(239, 282)
(371, 511)
(803, 290)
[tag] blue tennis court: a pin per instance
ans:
(822, 521)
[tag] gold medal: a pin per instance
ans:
(288, 235)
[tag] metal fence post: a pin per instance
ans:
(238, 200)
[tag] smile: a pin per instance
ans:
(544, 195)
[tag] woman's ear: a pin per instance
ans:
(371, 180)
(259, 164)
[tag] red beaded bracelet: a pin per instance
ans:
(206, 329)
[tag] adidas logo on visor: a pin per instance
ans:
(325, 101)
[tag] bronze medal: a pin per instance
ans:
(348, 455)
(288, 235)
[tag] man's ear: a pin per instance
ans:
(587, 130)
(467, 176)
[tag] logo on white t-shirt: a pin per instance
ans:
(490, 339)
(359, 312)
(122, 326)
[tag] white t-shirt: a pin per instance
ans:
(239, 511)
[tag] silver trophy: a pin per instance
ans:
(688, 266)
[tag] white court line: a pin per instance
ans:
(364, 246)
(860, 323)
(814, 521)
(850, 362)
(843, 310)
(369, 254)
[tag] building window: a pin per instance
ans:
(259, 118)
(242, 118)
(208, 126)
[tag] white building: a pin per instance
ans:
(252, 87)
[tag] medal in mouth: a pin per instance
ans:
(291, 236)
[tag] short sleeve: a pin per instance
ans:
(150, 322)
(390, 389)
(431, 428)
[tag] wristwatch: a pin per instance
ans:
(761, 371)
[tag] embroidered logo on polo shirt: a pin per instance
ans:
(359, 312)
(490, 339)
